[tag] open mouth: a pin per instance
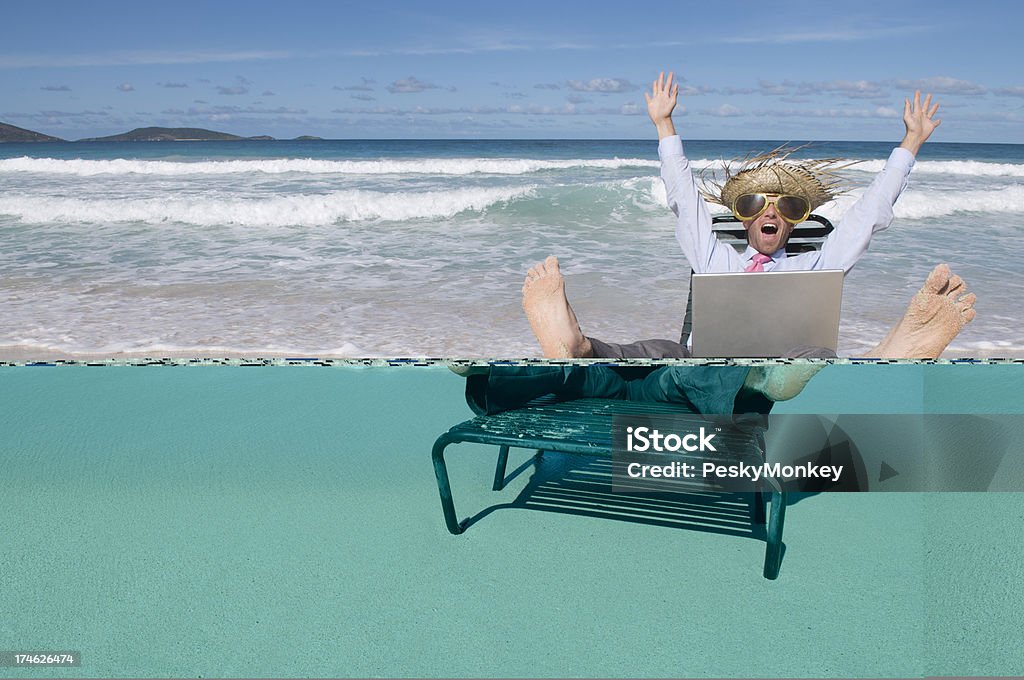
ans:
(769, 228)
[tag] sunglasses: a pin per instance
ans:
(793, 209)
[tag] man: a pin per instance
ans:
(935, 316)
(770, 195)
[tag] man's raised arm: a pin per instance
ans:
(696, 238)
(873, 211)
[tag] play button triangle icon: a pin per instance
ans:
(887, 472)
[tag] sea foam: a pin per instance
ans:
(874, 166)
(427, 166)
(928, 204)
(424, 166)
(959, 168)
(341, 206)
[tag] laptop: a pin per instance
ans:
(765, 314)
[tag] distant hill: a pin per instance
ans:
(308, 138)
(10, 133)
(162, 134)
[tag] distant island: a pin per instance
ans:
(10, 133)
(160, 134)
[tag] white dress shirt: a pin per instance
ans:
(842, 248)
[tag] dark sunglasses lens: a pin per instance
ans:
(749, 205)
(792, 207)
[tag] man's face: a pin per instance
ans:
(769, 231)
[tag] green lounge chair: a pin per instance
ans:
(584, 427)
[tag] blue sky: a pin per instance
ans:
(781, 70)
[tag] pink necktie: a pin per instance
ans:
(757, 263)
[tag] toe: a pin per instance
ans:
(955, 286)
(937, 279)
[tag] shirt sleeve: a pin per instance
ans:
(696, 238)
(871, 213)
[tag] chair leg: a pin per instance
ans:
(773, 552)
(443, 486)
(499, 470)
(759, 502)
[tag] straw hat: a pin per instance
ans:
(775, 173)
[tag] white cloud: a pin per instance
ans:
(602, 85)
(829, 35)
(125, 87)
(354, 88)
(567, 109)
(724, 111)
(877, 112)
(410, 85)
(942, 85)
(15, 61)
(224, 111)
(853, 89)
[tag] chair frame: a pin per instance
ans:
(583, 427)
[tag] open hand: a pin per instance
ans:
(660, 103)
(920, 121)
(662, 98)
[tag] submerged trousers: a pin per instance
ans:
(707, 390)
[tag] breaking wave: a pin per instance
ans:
(342, 206)
(958, 168)
(425, 166)
(926, 204)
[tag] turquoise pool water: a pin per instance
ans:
(226, 521)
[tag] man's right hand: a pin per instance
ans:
(660, 103)
(920, 121)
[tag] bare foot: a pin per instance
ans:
(779, 383)
(551, 317)
(936, 315)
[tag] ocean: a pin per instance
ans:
(419, 248)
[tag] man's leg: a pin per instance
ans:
(555, 325)
(502, 388)
(708, 390)
(810, 352)
(644, 349)
(712, 390)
